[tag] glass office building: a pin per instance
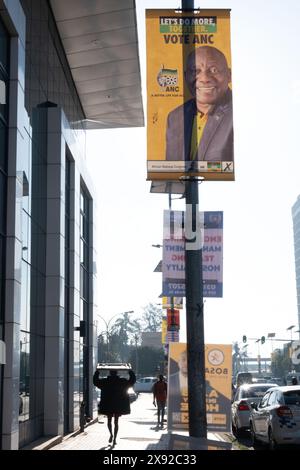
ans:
(47, 227)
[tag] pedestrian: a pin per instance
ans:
(114, 400)
(159, 390)
(294, 381)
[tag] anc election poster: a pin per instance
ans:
(218, 358)
(173, 262)
(163, 330)
(189, 95)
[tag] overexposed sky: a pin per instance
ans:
(259, 272)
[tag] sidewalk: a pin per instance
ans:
(137, 431)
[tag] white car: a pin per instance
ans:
(276, 418)
(241, 405)
(132, 394)
(144, 384)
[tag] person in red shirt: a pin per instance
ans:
(159, 398)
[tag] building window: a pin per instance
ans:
(4, 77)
(84, 289)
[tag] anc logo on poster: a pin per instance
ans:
(167, 77)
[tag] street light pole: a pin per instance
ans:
(290, 328)
(271, 336)
(136, 355)
(107, 329)
(258, 357)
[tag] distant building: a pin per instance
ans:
(65, 67)
(151, 339)
(296, 227)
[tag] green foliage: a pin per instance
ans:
(124, 336)
(281, 362)
(151, 319)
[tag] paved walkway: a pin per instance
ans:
(137, 431)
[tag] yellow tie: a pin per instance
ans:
(199, 122)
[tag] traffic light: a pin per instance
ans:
(262, 339)
(244, 339)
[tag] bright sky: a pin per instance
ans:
(259, 272)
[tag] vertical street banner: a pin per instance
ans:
(173, 262)
(177, 302)
(218, 372)
(189, 95)
(163, 330)
(173, 318)
(172, 336)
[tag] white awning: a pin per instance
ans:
(101, 45)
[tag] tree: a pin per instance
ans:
(238, 359)
(281, 362)
(125, 328)
(151, 318)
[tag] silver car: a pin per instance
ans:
(241, 404)
(144, 384)
(276, 418)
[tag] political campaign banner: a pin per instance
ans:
(175, 302)
(189, 95)
(218, 371)
(173, 263)
(172, 336)
(173, 318)
(163, 330)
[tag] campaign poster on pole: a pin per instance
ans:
(172, 302)
(189, 95)
(218, 371)
(173, 262)
(163, 330)
(173, 318)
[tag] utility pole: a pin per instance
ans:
(194, 302)
(136, 355)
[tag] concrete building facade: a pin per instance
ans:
(48, 331)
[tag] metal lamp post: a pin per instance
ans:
(290, 328)
(107, 328)
(258, 356)
(136, 354)
(271, 336)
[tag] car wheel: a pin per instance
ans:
(235, 430)
(272, 443)
(254, 441)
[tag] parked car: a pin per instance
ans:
(276, 418)
(144, 384)
(277, 380)
(132, 394)
(292, 375)
(241, 405)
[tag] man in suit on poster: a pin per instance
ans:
(202, 128)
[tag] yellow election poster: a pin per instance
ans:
(189, 95)
(218, 368)
(163, 330)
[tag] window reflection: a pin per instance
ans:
(24, 391)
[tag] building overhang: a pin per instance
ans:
(101, 45)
